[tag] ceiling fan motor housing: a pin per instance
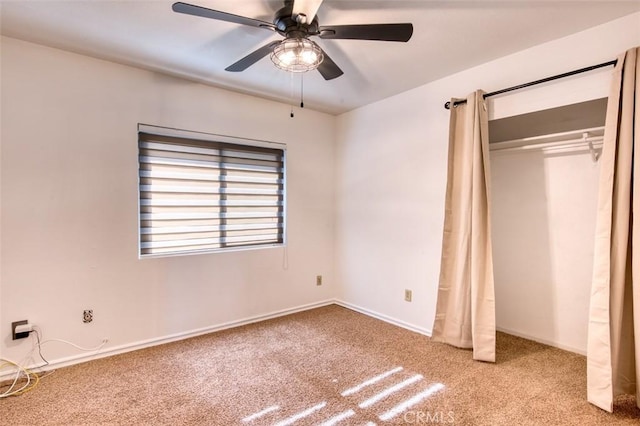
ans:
(288, 26)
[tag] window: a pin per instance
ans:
(202, 193)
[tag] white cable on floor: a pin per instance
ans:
(19, 370)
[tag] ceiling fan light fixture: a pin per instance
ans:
(297, 55)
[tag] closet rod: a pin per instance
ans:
(533, 83)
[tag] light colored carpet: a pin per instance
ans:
(309, 365)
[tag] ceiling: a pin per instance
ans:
(449, 36)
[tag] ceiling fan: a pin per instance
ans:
(297, 21)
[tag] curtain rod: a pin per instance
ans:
(533, 83)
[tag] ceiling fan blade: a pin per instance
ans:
(252, 57)
(328, 69)
(194, 10)
(383, 32)
(308, 8)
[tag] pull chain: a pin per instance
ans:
(291, 80)
(302, 90)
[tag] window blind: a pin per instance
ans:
(198, 196)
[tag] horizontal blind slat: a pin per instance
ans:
(210, 177)
(208, 190)
(171, 216)
(207, 164)
(192, 229)
(178, 243)
(157, 146)
(212, 202)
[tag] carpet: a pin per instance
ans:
(326, 366)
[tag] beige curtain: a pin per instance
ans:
(613, 354)
(465, 311)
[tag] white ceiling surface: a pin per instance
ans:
(449, 36)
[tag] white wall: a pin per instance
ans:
(391, 175)
(69, 205)
(544, 215)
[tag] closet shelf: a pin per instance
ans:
(584, 138)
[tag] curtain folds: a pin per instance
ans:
(465, 311)
(613, 348)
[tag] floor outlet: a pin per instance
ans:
(87, 315)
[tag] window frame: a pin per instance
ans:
(169, 132)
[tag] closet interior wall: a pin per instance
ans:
(544, 211)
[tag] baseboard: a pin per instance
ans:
(428, 332)
(383, 317)
(110, 351)
(115, 350)
(554, 344)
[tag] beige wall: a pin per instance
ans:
(69, 205)
(391, 176)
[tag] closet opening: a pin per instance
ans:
(544, 177)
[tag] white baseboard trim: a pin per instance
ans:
(385, 318)
(580, 351)
(110, 351)
(129, 347)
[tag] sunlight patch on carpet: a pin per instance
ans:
(338, 418)
(259, 414)
(390, 390)
(333, 419)
(301, 414)
(371, 381)
(411, 402)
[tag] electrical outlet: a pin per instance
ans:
(14, 325)
(407, 295)
(319, 280)
(87, 315)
